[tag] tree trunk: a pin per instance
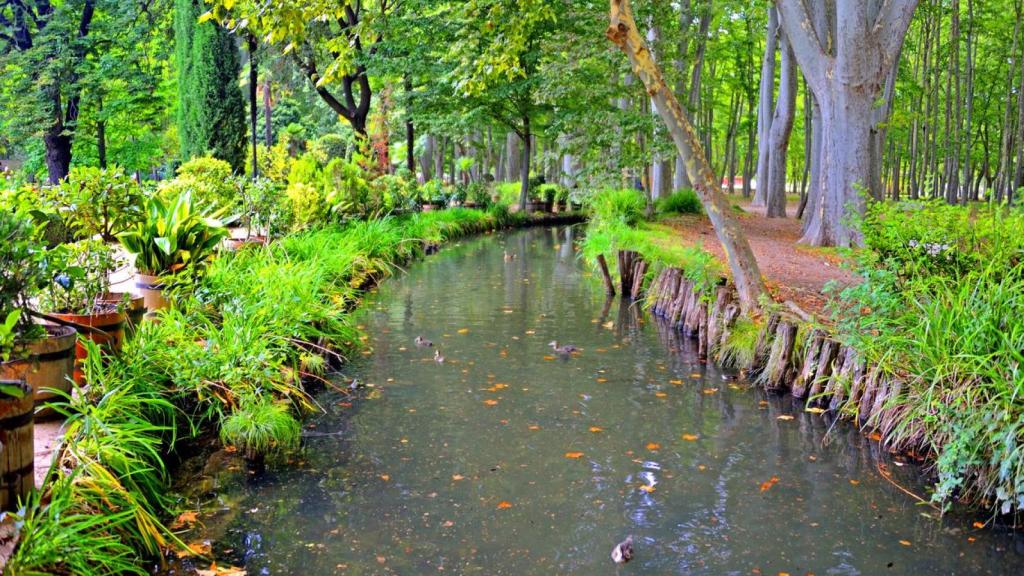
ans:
(524, 168)
(765, 108)
(268, 110)
(781, 129)
(746, 275)
(410, 133)
(253, 107)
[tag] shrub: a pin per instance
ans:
(345, 189)
(22, 275)
(680, 202)
(391, 192)
(260, 426)
(209, 181)
(97, 201)
(331, 146)
(308, 205)
(79, 277)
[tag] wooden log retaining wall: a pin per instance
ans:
(790, 356)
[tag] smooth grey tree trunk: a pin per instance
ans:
(781, 130)
(765, 107)
(868, 37)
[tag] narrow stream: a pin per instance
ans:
(506, 459)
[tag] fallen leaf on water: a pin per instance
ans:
(653, 446)
(549, 357)
(457, 477)
(596, 429)
(504, 504)
(385, 477)
(815, 410)
(905, 542)
(215, 570)
(447, 524)
(769, 483)
(185, 518)
(602, 380)
(648, 488)
(710, 390)
(971, 538)
(854, 482)
(690, 437)
(701, 467)
(877, 437)
(661, 394)
(533, 427)
(574, 455)
(695, 375)
(491, 402)
(676, 382)
(530, 332)
(201, 548)
(785, 417)
(463, 330)
(978, 525)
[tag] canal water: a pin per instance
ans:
(509, 458)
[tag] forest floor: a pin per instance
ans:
(793, 271)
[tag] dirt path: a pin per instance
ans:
(793, 271)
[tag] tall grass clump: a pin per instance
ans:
(940, 310)
(680, 202)
(610, 207)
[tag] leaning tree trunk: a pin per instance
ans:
(746, 275)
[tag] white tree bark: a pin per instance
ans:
(765, 107)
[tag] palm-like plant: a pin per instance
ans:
(175, 233)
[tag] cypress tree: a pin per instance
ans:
(211, 109)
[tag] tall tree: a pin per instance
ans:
(845, 64)
(211, 108)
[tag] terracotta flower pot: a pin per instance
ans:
(135, 312)
(46, 365)
(239, 243)
(108, 334)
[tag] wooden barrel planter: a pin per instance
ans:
(108, 334)
(431, 206)
(18, 452)
(134, 312)
(537, 206)
(240, 243)
(48, 364)
(152, 290)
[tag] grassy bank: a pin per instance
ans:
(232, 355)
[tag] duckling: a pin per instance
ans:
(509, 256)
(422, 342)
(564, 350)
(437, 357)
(623, 551)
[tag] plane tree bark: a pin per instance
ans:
(846, 82)
(745, 273)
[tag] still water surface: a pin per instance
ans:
(507, 460)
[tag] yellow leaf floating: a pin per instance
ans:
(504, 504)
(490, 402)
(653, 446)
(647, 488)
(905, 542)
(690, 437)
(596, 429)
(463, 330)
(785, 417)
(574, 455)
(815, 410)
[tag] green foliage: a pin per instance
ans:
(211, 110)
(79, 277)
(176, 232)
(331, 146)
(345, 188)
(307, 204)
(508, 193)
(98, 202)
(738, 349)
(939, 309)
(264, 211)
(391, 192)
(260, 426)
(22, 274)
(208, 179)
(924, 238)
(680, 202)
(609, 207)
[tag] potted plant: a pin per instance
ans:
(17, 464)
(536, 201)
(262, 213)
(41, 356)
(174, 234)
(432, 195)
(79, 294)
(97, 202)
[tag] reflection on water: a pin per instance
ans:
(509, 460)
